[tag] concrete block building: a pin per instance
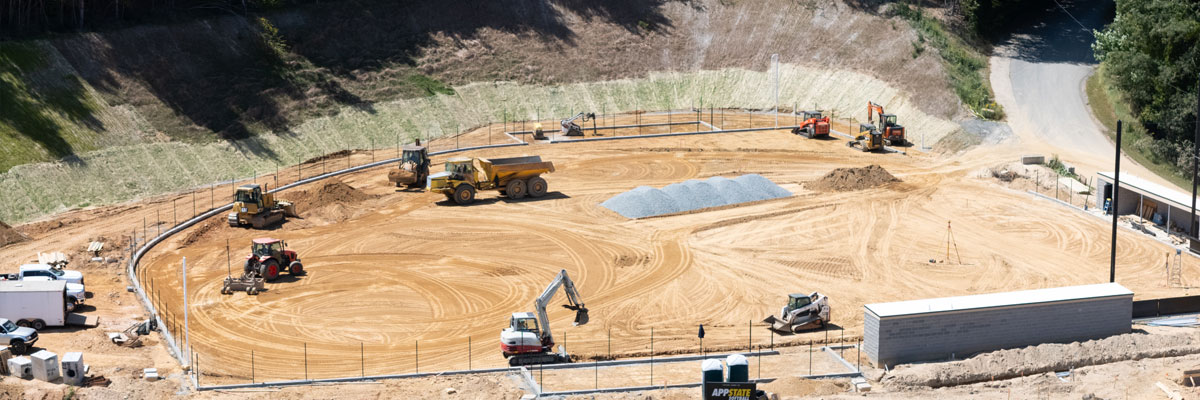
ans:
(957, 327)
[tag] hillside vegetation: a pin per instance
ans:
(1150, 57)
(261, 90)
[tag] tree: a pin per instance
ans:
(1151, 52)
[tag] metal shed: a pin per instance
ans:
(956, 327)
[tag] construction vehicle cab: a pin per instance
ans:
(869, 138)
(802, 312)
(893, 133)
(255, 207)
(267, 258)
(413, 169)
(528, 339)
(812, 125)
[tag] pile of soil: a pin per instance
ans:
(332, 192)
(796, 386)
(848, 179)
(203, 229)
(8, 235)
(1012, 363)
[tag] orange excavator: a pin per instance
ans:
(813, 124)
(893, 133)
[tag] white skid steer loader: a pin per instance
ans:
(802, 312)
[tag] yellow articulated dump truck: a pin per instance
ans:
(515, 177)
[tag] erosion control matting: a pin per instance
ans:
(646, 201)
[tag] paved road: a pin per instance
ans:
(1039, 74)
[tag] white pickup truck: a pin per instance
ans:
(76, 292)
(19, 339)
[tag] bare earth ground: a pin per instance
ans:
(391, 270)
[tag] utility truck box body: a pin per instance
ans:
(27, 302)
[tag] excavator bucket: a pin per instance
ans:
(581, 314)
(777, 324)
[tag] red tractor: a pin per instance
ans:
(268, 256)
(812, 124)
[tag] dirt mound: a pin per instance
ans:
(203, 229)
(332, 192)
(797, 386)
(8, 235)
(847, 179)
(1005, 364)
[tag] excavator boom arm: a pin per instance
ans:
(573, 298)
(878, 109)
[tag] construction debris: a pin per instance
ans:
(93, 381)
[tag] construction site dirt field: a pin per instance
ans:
(400, 281)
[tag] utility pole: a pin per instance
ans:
(1195, 159)
(1112, 262)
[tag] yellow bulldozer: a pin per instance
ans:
(257, 208)
(514, 177)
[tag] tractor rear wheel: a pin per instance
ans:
(537, 187)
(464, 194)
(515, 189)
(270, 270)
(295, 268)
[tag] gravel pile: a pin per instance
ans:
(645, 201)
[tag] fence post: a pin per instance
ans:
(306, 361)
(469, 366)
(858, 356)
(251, 366)
(610, 343)
(651, 356)
(362, 359)
(750, 343)
(417, 356)
(810, 356)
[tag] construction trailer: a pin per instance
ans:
(958, 327)
(36, 304)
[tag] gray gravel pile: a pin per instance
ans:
(645, 201)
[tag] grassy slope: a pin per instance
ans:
(1108, 107)
(40, 121)
(966, 68)
(162, 100)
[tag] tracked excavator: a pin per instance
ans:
(528, 340)
(802, 312)
(893, 133)
(570, 128)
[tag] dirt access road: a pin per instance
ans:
(403, 281)
(1039, 74)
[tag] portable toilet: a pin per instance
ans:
(712, 371)
(739, 368)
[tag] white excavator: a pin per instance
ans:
(570, 128)
(528, 340)
(802, 312)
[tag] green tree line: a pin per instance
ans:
(1151, 54)
(21, 18)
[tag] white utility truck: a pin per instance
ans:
(76, 292)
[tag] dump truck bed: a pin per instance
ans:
(520, 167)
